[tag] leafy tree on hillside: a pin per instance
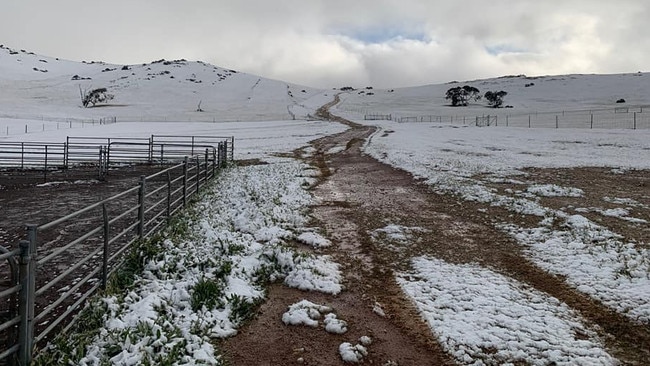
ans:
(99, 95)
(495, 98)
(460, 96)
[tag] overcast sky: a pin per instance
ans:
(383, 43)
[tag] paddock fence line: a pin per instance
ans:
(43, 123)
(630, 117)
(51, 274)
(375, 117)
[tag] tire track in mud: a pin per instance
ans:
(358, 195)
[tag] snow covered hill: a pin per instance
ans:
(35, 87)
(525, 95)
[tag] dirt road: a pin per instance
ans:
(358, 195)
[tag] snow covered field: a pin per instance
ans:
(478, 315)
(466, 161)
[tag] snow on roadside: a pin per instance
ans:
(481, 317)
(466, 161)
(238, 244)
(313, 239)
(309, 314)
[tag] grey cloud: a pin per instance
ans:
(321, 43)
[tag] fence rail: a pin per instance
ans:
(52, 274)
(106, 151)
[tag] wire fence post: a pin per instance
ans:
(591, 124)
(169, 196)
(634, 125)
(45, 169)
(214, 161)
(207, 152)
(65, 153)
(185, 162)
(198, 173)
(232, 147)
(150, 149)
(141, 196)
(105, 259)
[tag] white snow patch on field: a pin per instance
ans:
(156, 319)
(313, 239)
(481, 317)
(464, 162)
(553, 190)
(594, 260)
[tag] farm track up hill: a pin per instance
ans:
(359, 195)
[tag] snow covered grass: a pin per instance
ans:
(482, 317)
(594, 260)
(206, 279)
(467, 161)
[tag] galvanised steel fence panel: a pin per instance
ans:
(65, 261)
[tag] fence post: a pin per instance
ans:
(150, 149)
(105, 259)
(185, 162)
(214, 161)
(27, 294)
(634, 126)
(45, 170)
(169, 195)
(198, 173)
(529, 121)
(556, 121)
(141, 194)
(591, 125)
(26, 326)
(230, 149)
(65, 154)
(207, 152)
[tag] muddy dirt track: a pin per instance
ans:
(358, 194)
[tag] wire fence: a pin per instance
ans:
(637, 117)
(61, 263)
(43, 124)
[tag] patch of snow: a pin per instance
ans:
(335, 325)
(553, 190)
(352, 354)
(313, 239)
(365, 340)
(481, 317)
(305, 313)
(594, 260)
